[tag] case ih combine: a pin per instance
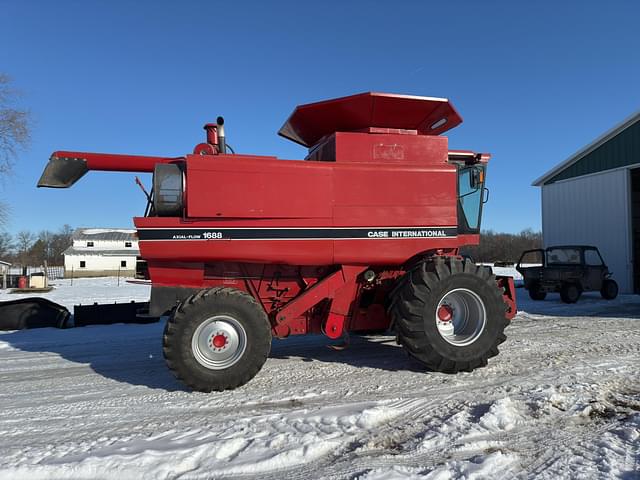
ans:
(364, 234)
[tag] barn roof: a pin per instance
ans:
(110, 234)
(615, 148)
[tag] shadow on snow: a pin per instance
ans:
(133, 353)
(590, 304)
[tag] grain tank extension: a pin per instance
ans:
(361, 235)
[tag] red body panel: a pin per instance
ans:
(239, 186)
(380, 198)
(386, 148)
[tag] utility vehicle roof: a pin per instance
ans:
(562, 247)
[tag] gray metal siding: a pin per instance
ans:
(592, 210)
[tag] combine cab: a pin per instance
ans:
(364, 234)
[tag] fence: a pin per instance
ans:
(15, 272)
(53, 272)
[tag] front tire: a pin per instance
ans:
(570, 292)
(609, 289)
(535, 293)
(217, 339)
(449, 314)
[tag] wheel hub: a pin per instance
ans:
(445, 313)
(219, 342)
(461, 317)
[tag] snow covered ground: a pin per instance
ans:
(562, 400)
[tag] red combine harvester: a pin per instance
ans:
(362, 235)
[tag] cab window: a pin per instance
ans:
(470, 188)
(592, 258)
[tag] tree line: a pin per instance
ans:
(28, 248)
(503, 247)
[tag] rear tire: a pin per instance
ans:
(535, 293)
(570, 292)
(217, 339)
(609, 289)
(477, 321)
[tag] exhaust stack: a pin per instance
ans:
(222, 144)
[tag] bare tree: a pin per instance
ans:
(14, 125)
(24, 242)
(6, 245)
(50, 246)
(26, 248)
(61, 241)
(45, 237)
(14, 131)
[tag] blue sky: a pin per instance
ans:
(534, 82)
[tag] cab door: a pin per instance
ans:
(470, 198)
(595, 269)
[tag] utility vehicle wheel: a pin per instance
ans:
(217, 339)
(449, 314)
(570, 292)
(609, 289)
(535, 293)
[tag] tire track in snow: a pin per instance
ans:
(102, 402)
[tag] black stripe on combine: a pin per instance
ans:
(396, 233)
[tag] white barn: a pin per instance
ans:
(100, 252)
(593, 198)
(4, 271)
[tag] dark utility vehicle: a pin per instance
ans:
(569, 270)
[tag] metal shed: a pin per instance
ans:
(593, 198)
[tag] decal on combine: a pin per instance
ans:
(395, 233)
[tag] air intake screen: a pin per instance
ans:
(168, 190)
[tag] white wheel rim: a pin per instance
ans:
(461, 317)
(219, 342)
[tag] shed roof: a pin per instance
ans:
(615, 148)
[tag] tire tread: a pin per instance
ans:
(177, 358)
(410, 295)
